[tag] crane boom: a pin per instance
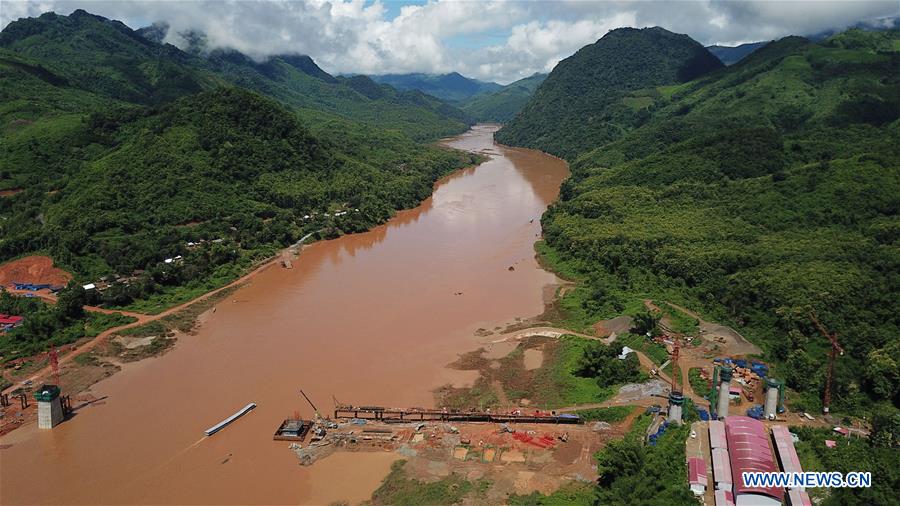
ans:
(675, 353)
(835, 351)
(53, 357)
(310, 402)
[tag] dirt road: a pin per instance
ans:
(141, 319)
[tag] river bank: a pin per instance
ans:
(368, 318)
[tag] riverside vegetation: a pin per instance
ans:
(757, 193)
(121, 152)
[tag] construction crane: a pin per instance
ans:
(675, 351)
(310, 403)
(53, 357)
(835, 351)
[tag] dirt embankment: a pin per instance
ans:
(35, 269)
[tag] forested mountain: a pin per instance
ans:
(107, 58)
(592, 97)
(759, 193)
(452, 87)
(502, 105)
(729, 55)
(117, 152)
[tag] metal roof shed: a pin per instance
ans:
(748, 447)
(724, 498)
(697, 475)
(717, 434)
(721, 465)
(784, 446)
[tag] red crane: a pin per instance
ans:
(675, 374)
(835, 351)
(53, 356)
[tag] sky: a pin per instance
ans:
(492, 40)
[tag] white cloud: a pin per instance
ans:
(355, 36)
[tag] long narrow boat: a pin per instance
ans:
(224, 423)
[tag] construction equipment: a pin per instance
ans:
(53, 357)
(835, 351)
(675, 350)
(315, 409)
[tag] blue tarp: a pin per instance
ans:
(755, 412)
(30, 286)
(703, 414)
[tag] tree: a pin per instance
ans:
(70, 302)
(646, 322)
(885, 428)
(882, 373)
(623, 457)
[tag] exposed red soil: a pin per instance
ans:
(10, 192)
(37, 269)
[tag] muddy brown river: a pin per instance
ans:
(370, 318)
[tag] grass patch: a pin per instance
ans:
(86, 359)
(555, 382)
(654, 350)
(553, 385)
(96, 323)
(175, 295)
(571, 493)
(612, 414)
(398, 489)
(681, 322)
(701, 386)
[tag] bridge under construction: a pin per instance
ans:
(399, 415)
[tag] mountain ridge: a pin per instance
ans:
(586, 92)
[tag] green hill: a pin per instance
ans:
(589, 97)
(451, 87)
(167, 148)
(107, 58)
(759, 193)
(297, 81)
(502, 105)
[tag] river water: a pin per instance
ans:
(370, 318)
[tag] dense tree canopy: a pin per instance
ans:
(760, 193)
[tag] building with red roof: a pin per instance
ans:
(724, 498)
(721, 465)
(784, 447)
(717, 434)
(697, 475)
(8, 321)
(749, 451)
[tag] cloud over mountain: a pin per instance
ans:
(497, 40)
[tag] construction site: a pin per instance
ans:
(523, 449)
(519, 451)
(743, 423)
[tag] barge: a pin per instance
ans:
(292, 430)
(224, 423)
